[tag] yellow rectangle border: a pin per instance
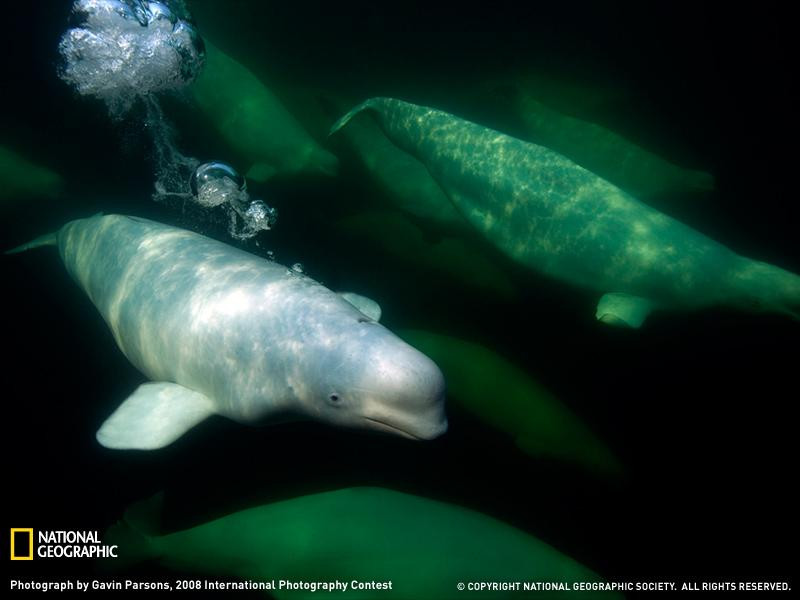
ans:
(29, 531)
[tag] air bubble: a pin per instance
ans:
(216, 183)
(121, 51)
(260, 216)
(215, 171)
(154, 11)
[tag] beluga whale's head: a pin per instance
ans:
(371, 379)
(760, 287)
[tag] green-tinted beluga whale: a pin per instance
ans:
(255, 123)
(219, 331)
(395, 236)
(21, 178)
(554, 216)
(375, 542)
(633, 168)
(484, 383)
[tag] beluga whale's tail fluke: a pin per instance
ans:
(135, 533)
(372, 103)
(48, 239)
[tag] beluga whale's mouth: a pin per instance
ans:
(379, 425)
(383, 426)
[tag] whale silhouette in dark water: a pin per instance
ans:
(422, 548)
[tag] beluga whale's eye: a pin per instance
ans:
(334, 398)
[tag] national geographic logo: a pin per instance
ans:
(58, 544)
(21, 543)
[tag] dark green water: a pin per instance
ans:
(697, 406)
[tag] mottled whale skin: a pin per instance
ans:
(556, 217)
(606, 153)
(225, 332)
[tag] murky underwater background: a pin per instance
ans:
(696, 407)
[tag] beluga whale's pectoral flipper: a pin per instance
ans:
(154, 416)
(623, 310)
(367, 306)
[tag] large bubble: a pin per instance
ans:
(216, 175)
(217, 184)
(124, 50)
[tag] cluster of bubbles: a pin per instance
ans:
(128, 51)
(217, 184)
(125, 52)
(122, 50)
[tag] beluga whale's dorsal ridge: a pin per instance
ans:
(220, 331)
(550, 214)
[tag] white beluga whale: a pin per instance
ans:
(220, 331)
(550, 214)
